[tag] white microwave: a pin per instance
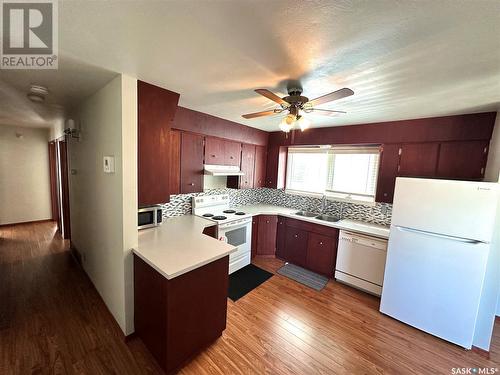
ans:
(149, 217)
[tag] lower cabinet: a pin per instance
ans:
(308, 245)
(280, 238)
(321, 254)
(266, 233)
(296, 246)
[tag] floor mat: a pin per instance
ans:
(303, 276)
(245, 280)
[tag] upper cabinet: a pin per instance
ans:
(462, 160)
(191, 163)
(222, 152)
(389, 161)
(259, 178)
(418, 159)
(247, 166)
(156, 111)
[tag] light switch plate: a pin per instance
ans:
(108, 164)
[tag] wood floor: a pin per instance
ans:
(52, 321)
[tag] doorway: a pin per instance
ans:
(59, 187)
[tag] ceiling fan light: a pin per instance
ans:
(303, 123)
(287, 123)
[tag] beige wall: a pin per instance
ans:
(492, 172)
(24, 175)
(103, 206)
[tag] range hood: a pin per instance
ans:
(222, 170)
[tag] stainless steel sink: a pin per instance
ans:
(306, 213)
(329, 218)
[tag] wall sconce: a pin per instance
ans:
(70, 129)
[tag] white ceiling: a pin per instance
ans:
(71, 83)
(403, 59)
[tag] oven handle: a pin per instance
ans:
(235, 226)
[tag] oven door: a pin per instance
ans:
(240, 236)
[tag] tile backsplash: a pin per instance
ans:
(380, 213)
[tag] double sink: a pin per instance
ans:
(315, 215)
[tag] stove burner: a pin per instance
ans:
(229, 211)
(219, 217)
(240, 213)
(208, 215)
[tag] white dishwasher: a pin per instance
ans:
(361, 261)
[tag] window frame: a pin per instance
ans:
(338, 195)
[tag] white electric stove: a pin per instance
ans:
(234, 227)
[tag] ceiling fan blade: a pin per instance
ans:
(336, 95)
(326, 112)
(260, 114)
(270, 95)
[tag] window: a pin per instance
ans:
(346, 172)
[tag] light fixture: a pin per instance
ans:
(37, 93)
(303, 123)
(291, 119)
(287, 123)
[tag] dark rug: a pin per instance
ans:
(245, 280)
(303, 276)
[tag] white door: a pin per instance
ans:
(434, 283)
(457, 208)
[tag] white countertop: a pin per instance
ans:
(179, 246)
(381, 231)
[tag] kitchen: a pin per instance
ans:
(322, 213)
(280, 187)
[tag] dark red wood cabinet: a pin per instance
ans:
(175, 162)
(266, 241)
(178, 318)
(296, 246)
(321, 253)
(259, 179)
(232, 153)
(276, 167)
(156, 111)
(255, 235)
(462, 160)
(388, 169)
(191, 163)
(214, 151)
(280, 238)
(247, 167)
(418, 159)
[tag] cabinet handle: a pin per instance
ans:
(192, 184)
(212, 155)
(231, 157)
(321, 242)
(267, 221)
(296, 235)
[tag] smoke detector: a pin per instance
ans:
(37, 93)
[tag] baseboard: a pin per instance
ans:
(75, 253)
(26, 222)
(483, 353)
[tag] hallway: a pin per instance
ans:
(52, 320)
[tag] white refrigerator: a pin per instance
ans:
(438, 250)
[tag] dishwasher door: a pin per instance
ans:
(361, 261)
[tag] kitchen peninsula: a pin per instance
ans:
(180, 289)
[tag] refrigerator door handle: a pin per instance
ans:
(444, 236)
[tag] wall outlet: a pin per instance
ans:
(109, 164)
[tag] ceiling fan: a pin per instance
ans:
(295, 105)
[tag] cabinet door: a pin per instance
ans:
(214, 151)
(280, 239)
(191, 163)
(418, 159)
(175, 162)
(462, 160)
(232, 153)
(296, 246)
(156, 110)
(266, 242)
(388, 170)
(259, 179)
(276, 167)
(321, 252)
(247, 166)
(255, 235)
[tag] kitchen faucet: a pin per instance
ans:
(323, 204)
